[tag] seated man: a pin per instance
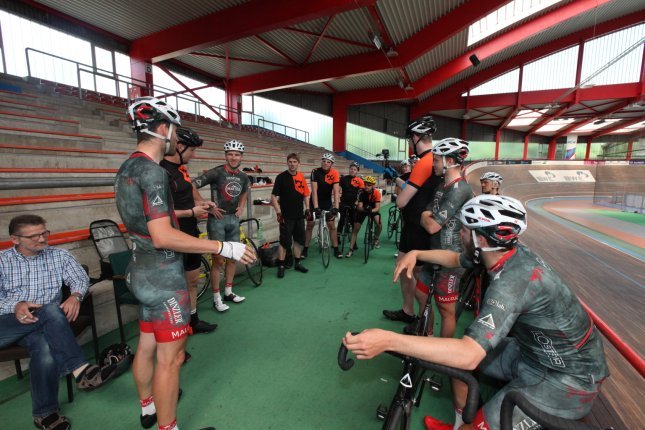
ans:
(32, 316)
(532, 330)
(369, 203)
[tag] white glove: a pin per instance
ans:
(234, 250)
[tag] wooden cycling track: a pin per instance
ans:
(606, 279)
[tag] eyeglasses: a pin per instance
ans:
(37, 236)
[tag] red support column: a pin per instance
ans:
(141, 70)
(464, 129)
(339, 134)
(234, 105)
(497, 136)
(588, 151)
(552, 149)
(630, 146)
(525, 154)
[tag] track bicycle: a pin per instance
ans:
(394, 224)
(411, 386)
(323, 238)
(369, 239)
(345, 235)
(254, 270)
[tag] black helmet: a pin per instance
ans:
(422, 127)
(188, 137)
(119, 355)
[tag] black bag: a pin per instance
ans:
(269, 254)
(120, 354)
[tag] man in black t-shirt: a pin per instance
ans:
(187, 212)
(290, 193)
(350, 186)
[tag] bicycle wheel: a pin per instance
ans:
(368, 241)
(204, 280)
(346, 235)
(397, 231)
(325, 247)
(466, 292)
(392, 220)
(398, 417)
(255, 269)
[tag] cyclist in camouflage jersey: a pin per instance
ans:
(532, 330)
(156, 273)
(441, 221)
(229, 189)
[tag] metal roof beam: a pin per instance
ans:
(453, 93)
(417, 45)
(623, 104)
(238, 22)
(614, 127)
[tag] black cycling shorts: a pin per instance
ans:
(360, 216)
(192, 261)
(413, 237)
(290, 230)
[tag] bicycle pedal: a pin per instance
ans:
(381, 412)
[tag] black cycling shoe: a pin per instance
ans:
(399, 315)
(202, 327)
(300, 268)
(281, 271)
(148, 421)
(187, 357)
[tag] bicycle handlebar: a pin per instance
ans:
(515, 398)
(472, 400)
(257, 221)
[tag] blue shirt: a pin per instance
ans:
(38, 279)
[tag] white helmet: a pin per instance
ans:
(492, 176)
(145, 110)
(451, 147)
(500, 219)
(406, 162)
(328, 156)
(233, 145)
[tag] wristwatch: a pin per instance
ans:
(78, 297)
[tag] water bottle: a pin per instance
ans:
(260, 229)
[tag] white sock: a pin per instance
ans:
(228, 290)
(216, 297)
(149, 409)
(459, 421)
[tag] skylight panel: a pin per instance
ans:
(555, 125)
(505, 16)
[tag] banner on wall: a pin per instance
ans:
(570, 150)
(562, 175)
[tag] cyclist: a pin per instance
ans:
(350, 187)
(440, 219)
(325, 195)
(417, 192)
(406, 170)
(533, 332)
(156, 273)
(187, 213)
(369, 203)
(229, 189)
(290, 192)
(491, 182)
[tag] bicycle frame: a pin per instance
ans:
(323, 238)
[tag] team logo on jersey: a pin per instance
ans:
(157, 201)
(443, 214)
(198, 182)
(233, 189)
(169, 253)
(487, 321)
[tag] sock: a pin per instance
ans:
(459, 421)
(78, 373)
(304, 249)
(280, 263)
(228, 288)
(296, 261)
(194, 318)
(216, 296)
(171, 426)
(147, 406)
(336, 249)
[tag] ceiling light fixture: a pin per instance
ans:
(376, 40)
(600, 121)
(391, 52)
(409, 87)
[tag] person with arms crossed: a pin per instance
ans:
(290, 192)
(532, 331)
(325, 194)
(415, 195)
(155, 274)
(369, 204)
(229, 189)
(350, 186)
(32, 274)
(441, 221)
(187, 213)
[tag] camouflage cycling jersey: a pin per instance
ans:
(227, 187)
(142, 194)
(448, 200)
(526, 299)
